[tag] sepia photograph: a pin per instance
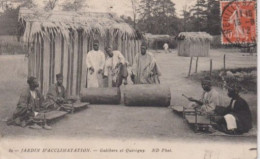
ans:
(172, 79)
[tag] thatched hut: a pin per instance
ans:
(59, 41)
(193, 44)
(156, 41)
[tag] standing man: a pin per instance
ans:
(115, 68)
(209, 100)
(29, 106)
(145, 69)
(166, 48)
(95, 61)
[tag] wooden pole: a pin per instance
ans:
(224, 61)
(42, 56)
(196, 69)
(190, 65)
(210, 71)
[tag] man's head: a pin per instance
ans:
(109, 51)
(96, 45)
(206, 84)
(233, 90)
(33, 83)
(59, 78)
(143, 48)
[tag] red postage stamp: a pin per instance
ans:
(238, 22)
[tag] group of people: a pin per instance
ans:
(32, 104)
(233, 119)
(113, 67)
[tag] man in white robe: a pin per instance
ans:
(115, 68)
(145, 69)
(95, 61)
(209, 100)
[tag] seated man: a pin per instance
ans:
(56, 95)
(236, 118)
(115, 68)
(29, 105)
(209, 100)
(145, 69)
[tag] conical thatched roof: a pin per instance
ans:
(194, 36)
(60, 22)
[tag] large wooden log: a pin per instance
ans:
(147, 95)
(101, 95)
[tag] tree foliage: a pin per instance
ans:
(74, 5)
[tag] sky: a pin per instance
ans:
(121, 7)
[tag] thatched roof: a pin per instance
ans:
(194, 36)
(149, 36)
(60, 22)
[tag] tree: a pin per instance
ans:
(145, 12)
(51, 4)
(134, 10)
(74, 5)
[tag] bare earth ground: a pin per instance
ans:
(119, 121)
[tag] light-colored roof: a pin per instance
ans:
(60, 22)
(194, 36)
(150, 36)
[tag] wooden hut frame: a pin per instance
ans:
(59, 41)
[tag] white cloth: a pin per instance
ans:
(210, 100)
(231, 122)
(165, 46)
(110, 69)
(33, 94)
(111, 62)
(95, 59)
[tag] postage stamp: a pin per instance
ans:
(238, 22)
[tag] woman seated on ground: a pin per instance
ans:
(236, 118)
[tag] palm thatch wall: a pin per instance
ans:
(59, 41)
(195, 44)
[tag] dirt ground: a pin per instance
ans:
(119, 121)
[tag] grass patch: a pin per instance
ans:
(247, 78)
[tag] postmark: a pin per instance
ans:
(238, 22)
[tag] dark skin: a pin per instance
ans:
(91, 69)
(109, 52)
(33, 85)
(143, 50)
(232, 94)
(206, 87)
(59, 83)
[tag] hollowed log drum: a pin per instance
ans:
(101, 95)
(147, 95)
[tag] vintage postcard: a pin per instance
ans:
(110, 79)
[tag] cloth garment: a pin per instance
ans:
(145, 69)
(56, 96)
(241, 112)
(210, 100)
(96, 60)
(115, 69)
(231, 122)
(30, 102)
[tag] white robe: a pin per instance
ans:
(110, 69)
(95, 59)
